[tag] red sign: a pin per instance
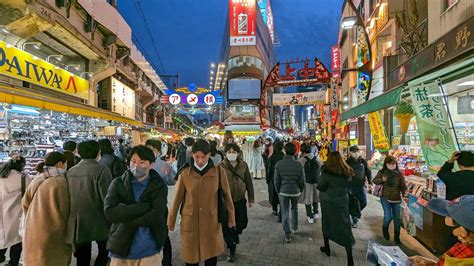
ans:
(336, 59)
(243, 23)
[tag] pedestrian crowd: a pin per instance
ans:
(116, 198)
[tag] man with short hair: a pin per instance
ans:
(458, 183)
(88, 183)
(289, 183)
(185, 152)
(136, 206)
(121, 151)
(72, 147)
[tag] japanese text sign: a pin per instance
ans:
(378, 132)
(242, 21)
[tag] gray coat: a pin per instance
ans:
(88, 183)
(289, 177)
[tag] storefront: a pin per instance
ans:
(429, 107)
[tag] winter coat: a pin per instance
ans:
(393, 187)
(126, 215)
(458, 183)
(256, 159)
(88, 184)
(272, 161)
(362, 171)
(240, 180)
(114, 164)
(289, 176)
(46, 208)
(10, 207)
(201, 233)
(334, 200)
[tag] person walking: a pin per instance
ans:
(184, 153)
(121, 151)
(256, 164)
(88, 183)
(216, 156)
(72, 147)
(334, 187)
(276, 156)
(13, 184)
(289, 183)
(240, 183)
(135, 205)
(168, 174)
(312, 171)
(46, 209)
(394, 186)
(108, 159)
(196, 198)
(357, 188)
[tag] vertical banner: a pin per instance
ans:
(336, 62)
(378, 132)
(243, 23)
(433, 124)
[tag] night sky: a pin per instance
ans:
(189, 33)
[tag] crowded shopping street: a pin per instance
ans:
(237, 132)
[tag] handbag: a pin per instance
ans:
(377, 191)
(221, 206)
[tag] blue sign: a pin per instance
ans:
(24, 110)
(262, 5)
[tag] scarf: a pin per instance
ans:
(51, 171)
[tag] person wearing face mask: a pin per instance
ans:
(88, 183)
(196, 199)
(394, 186)
(46, 206)
(362, 176)
(135, 205)
(458, 214)
(240, 182)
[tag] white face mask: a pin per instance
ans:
(190, 148)
(391, 167)
(355, 154)
(200, 168)
(232, 157)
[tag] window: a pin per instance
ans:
(447, 4)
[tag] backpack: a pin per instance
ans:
(311, 170)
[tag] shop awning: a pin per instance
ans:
(14, 95)
(247, 130)
(386, 100)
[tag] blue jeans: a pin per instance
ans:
(391, 211)
(285, 213)
(361, 195)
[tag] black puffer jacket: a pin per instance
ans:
(272, 161)
(362, 171)
(289, 176)
(126, 215)
(395, 185)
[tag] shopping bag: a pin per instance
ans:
(386, 255)
(378, 191)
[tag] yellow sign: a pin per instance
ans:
(19, 64)
(396, 140)
(378, 132)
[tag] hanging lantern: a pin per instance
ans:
(404, 113)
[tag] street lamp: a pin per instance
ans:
(349, 22)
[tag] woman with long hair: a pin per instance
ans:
(256, 164)
(11, 190)
(46, 208)
(394, 186)
(334, 188)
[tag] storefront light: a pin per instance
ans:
(348, 22)
(5, 31)
(466, 83)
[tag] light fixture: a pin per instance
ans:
(346, 107)
(58, 57)
(73, 66)
(5, 31)
(9, 45)
(345, 99)
(212, 72)
(36, 45)
(466, 83)
(213, 65)
(86, 74)
(35, 57)
(348, 22)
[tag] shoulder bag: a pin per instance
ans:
(221, 206)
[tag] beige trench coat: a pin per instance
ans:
(201, 233)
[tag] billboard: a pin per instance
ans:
(123, 99)
(304, 98)
(242, 21)
(244, 89)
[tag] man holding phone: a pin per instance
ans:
(458, 183)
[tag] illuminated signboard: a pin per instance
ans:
(242, 21)
(191, 95)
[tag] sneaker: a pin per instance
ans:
(294, 231)
(231, 257)
(354, 225)
(310, 220)
(287, 238)
(317, 216)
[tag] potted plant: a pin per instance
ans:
(404, 113)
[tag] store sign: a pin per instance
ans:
(458, 41)
(243, 23)
(432, 124)
(24, 66)
(378, 132)
(123, 99)
(303, 98)
(209, 99)
(192, 99)
(336, 59)
(175, 99)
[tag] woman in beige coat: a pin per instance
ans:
(11, 190)
(46, 208)
(196, 194)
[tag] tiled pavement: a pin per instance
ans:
(262, 242)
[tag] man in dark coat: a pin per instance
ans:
(272, 161)
(136, 206)
(357, 185)
(88, 183)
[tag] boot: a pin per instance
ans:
(397, 238)
(231, 257)
(326, 249)
(386, 234)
